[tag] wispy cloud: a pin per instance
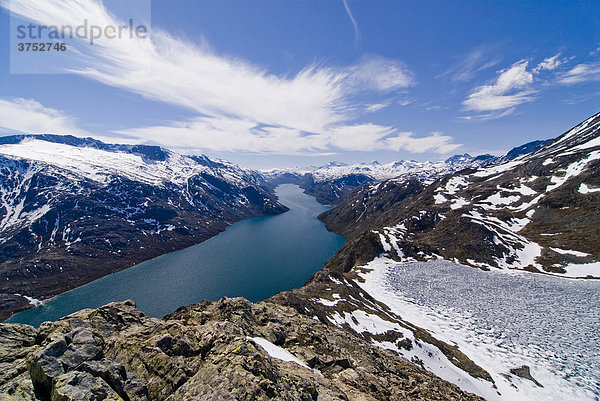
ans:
(511, 88)
(371, 108)
(576, 99)
(354, 24)
(234, 135)
(20, 115)
(550, 63)
(584, 72)
(477, 60)
(237, 106)
(380, 74)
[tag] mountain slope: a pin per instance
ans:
(538, 212)
(73, 210)
(334, 182)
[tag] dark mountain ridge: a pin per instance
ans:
(73, 210)
(539, 211)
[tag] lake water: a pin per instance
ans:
(254, 258)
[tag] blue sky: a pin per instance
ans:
(283, 83)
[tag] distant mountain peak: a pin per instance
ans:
(458, 158)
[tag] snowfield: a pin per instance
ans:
(501, 321)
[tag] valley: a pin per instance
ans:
(74, 210)
(254, 258)
(368, 324)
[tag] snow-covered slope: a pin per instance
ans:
(335, 181)
(72, 210)
(537, 212)
(378, 172)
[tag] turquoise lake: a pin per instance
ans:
(254, 258)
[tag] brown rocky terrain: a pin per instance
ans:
(538, 212)
(209, 351)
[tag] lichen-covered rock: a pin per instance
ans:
(208, 351)
(16, 342)
(82, 386)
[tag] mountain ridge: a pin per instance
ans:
(335, 181)
(73, 210)
(535, 212)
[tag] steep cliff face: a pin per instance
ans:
(226, 350)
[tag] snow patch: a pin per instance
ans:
(459, 203)
(439, 199)
(582, 270)
(572, 170)
(454, 184)
(277, 352)
(495, 170)
(548, 161)
(584, 189)
(570, 252)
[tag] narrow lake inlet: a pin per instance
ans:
(254, 258)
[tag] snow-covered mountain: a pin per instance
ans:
(376, 171)
(335, 181)
(73, 210)
(538, 212)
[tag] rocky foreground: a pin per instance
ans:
(208, 351)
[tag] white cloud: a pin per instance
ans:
(233, 135)
(227, 134)
(550, 63)
(354, 24)
(379, 74)
(238, 106)
(435, 142)
(366, 137)
(581, 73)
(511, 88)
(29, 116)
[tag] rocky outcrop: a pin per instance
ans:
(226, 350)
